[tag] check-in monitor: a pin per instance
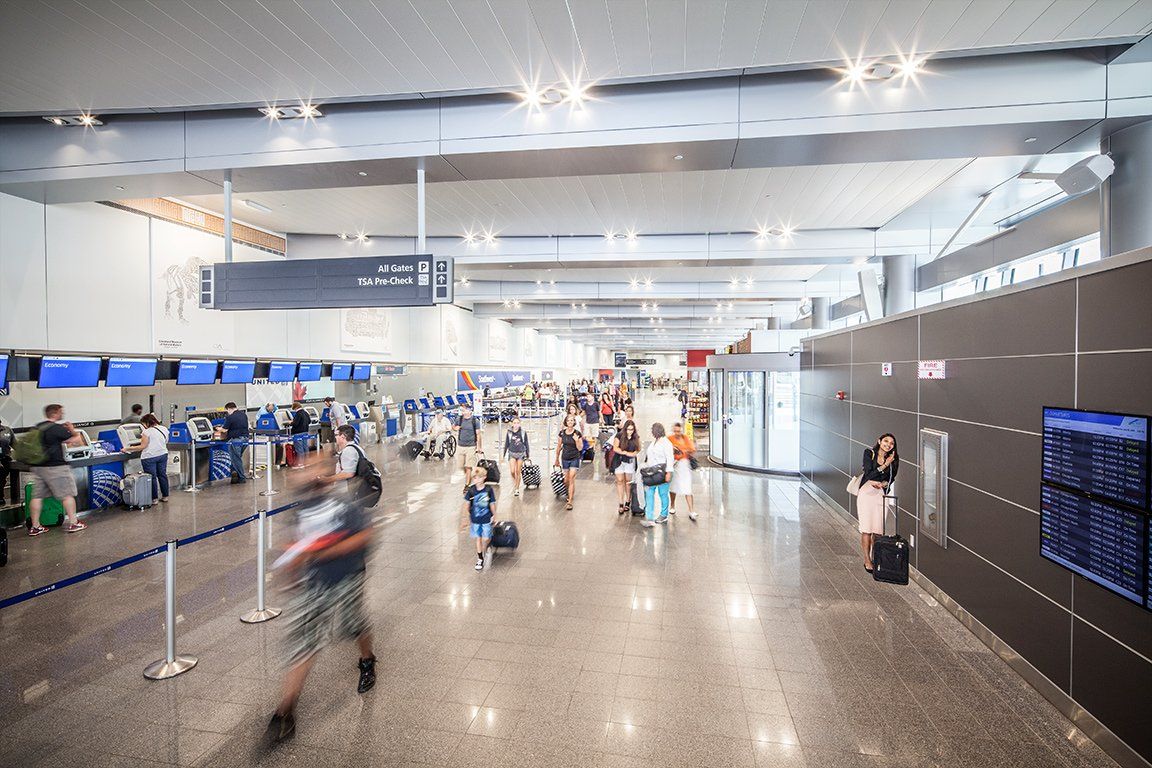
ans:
(361, 371)
(308, 372)
(341, 371)
(58, 372)
(197, 372)
(238, 372)
(282, 371)
(131, 372)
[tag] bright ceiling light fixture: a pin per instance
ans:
(489, 238)
(257, 206)
(507, 303)
(82, 120)
(577, 94)
(516, 303)
(343, 235)
(644, 306)
(465, 281)
(748, 281)
(469, 237)
(647, 282)
(910, 66)
(302, 112)
(633, 283)
(631, 236)
(361, 237)
(734, 282)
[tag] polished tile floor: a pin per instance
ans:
(749, 638)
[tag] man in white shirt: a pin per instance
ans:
(336, 416)
(438, 430)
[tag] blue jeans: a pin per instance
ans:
(650, 492)
(300, 444)
(157, 466)
(236, 448)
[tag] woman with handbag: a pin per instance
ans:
(684, 450)
(625, 449)
(880, 464)
(656, 474)
(569, 447)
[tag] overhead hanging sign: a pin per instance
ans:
(475, 380)
(363, 281)
(641, 361)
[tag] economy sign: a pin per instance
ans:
(363, 281)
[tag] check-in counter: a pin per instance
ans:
(97, 473)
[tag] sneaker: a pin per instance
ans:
(662, 520)
(79, 526)
(672, 511)
(281, 727)
(36, 530)
(647, 523)
(367, 674)
(479, 563)
(692, 516)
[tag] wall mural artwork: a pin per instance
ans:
(178, 322)
(180, 282)
(451, 338)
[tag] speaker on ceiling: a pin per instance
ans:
(1086, 175)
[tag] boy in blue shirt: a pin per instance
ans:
(480, 506)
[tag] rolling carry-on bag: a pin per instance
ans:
(557, 480)
(51, 510)
(136, 491)
(890, 553)
(505, 535)
(492, 468)
(531, 474)
(413, 448)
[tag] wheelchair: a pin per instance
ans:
(449, 449)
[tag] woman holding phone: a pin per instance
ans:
(880, 464)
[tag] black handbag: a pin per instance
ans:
(693, 463)
(654, 475)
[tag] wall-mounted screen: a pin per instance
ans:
(361, 371)
(281, 371)
(237, 371)
(341, 371)
(1104, 455)
(130, 372)
(3, 371)
(197, 372)
(57, 372)
(309, 372)
(1102, 542)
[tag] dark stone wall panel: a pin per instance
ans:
(1109, 303)
(1113, 684)
(897, 340)
(896, 391)
(1003, 392)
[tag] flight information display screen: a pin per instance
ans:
(309, 372)
(1102, 542)
(58, 372)
(1104, 455)
(281, 371)
(341, 371)
(238, 372)
(197, 372)
(130, 372)
(362, 371)
(3, 371)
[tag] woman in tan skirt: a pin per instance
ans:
(880, 464)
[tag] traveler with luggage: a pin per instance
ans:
(479, 506)
(42, 448)
(153, 449)
(625, 449)
(301, 432)
(469, 439)
(573, 409)
(656, 474)
(7, 473)
(569, 450)
(235, 431)
(516, 449)
(685, 452)
(880, 464)
(438, 430)
(591, 417)
(607, 408)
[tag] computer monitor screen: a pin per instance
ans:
(362, 371)
(341, 371)
(309, 372)
(238, 372)
(197, 372)
(57, 372)
(130, 372)
(3, 371)
(282, 371)
(1103, 455)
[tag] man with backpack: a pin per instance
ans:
(469, 439)
(42, 448)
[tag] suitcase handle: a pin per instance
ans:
(895, 512)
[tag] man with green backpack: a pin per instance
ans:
(42, 448)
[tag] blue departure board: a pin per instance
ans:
(1094, 499)
(282, 371)
(238, 372)
(59, 372)
(197, 372)
(3, 371)
(309, 372)
(341, 371)
(130, 372)
(362, 371)
(1102, 542)
(1104, 455)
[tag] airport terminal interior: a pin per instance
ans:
(611, 383)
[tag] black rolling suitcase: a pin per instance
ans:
(890, 553)
(413, 448)
(531, 474)
(634, 503)
(505, 535)
(492, 468)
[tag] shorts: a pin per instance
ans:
(467, 454)
(517, 456)
(321, 613)
(56, 482)
(481, 530)
(570, 463)
(626, 468)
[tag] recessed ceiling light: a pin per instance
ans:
(507, 303)
(647, 282)
(490, 238)
(343, 235)
(469, 238)
(119, 188)
(257, 206)
(631, 236)
(1030, 139)
(361, 173)
(678, 157)
(83, 120)
(303, 111)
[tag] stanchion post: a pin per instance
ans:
(192, 470)
(171, 665)
(262, 612)
(268, 469)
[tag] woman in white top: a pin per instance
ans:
(153, 450)
(660, 455)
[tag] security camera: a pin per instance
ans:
(1086, 175)
(792, 351)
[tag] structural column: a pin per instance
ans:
(820, 313)
(1126, 197)
(899, 284)
(228, 216)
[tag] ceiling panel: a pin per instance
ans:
(185, 53)
(808, 197)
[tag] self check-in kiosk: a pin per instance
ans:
(79, 452)
(313, 415)
(131, 435)
(362, 419)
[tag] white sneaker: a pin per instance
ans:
(692, 516)
(480, 563)
(647, 523)
(672, 511)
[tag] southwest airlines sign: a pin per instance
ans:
(474, 380)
